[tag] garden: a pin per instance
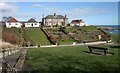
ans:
(68, 35)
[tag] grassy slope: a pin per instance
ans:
(115, 37)
(71, 59)
(89, 28)
(37, 36)
(15, 31)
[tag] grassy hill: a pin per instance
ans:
(36, 36)
(12, 35)
(71, 59)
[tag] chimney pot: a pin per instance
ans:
(54, 14)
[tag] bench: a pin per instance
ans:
(98, 50)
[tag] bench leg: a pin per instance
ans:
(90, 50)
(105, 52)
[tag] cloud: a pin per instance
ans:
(37, 5)
(87, 11)
(77, 12)
(7, 7)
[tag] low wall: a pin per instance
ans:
(7, 52)
(74, 44)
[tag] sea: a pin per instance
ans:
(111, 31)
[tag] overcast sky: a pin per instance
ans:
(91, 12)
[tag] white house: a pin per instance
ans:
(12, 22)
(77, 23)
(32, 23)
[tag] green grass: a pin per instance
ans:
(65, 42)
(71, 59)
(14, 31)
(89, 28)
(115, 37)
(37, 36)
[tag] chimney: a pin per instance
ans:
(65, 16)
(54, 14)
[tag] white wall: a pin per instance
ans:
(13, 24)
(77, 24)
(32, 24)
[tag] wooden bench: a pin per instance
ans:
(98, 50)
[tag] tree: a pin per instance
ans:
(4, 19)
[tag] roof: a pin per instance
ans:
(12, 20)
(77, 21)
(55, 16)
(32, 20)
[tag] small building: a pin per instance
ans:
(32, 23)
(55, 20)
(12, 22)
(77, 23)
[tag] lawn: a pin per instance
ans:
(70, 59)
(89, 28)
(37, 36)
(13, 30)
(115, 37)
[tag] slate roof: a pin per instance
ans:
(32, 20)
(55, 16)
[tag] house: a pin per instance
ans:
(77, 23)
(32, 23)
(54, 20)
(12, 22)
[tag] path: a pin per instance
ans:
(16, 60)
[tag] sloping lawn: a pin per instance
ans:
(15, 32)
(71, 59)
(37, 36)
(89, 28)
(12, 30)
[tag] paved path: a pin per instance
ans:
(16, 60)
(12, 59)
(21, 60)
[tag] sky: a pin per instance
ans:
(93, 13)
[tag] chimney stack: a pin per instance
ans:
(54, 14)
(65, 16)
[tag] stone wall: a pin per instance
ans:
(8, 51)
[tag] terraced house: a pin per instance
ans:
(54, 20)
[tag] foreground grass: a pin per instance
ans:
(71, 59)
(37, 36)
